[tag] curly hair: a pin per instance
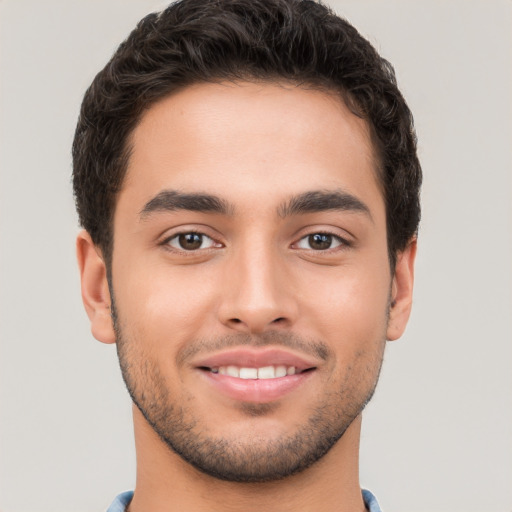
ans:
(195, 41)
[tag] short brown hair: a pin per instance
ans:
(196, 41)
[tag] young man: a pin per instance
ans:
(246, 174)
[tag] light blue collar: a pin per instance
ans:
(123, 500)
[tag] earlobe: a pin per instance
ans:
(401, 292)
(95, 291)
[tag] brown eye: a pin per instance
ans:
(320, 241)
(190, 241)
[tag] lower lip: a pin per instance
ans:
(256, 390)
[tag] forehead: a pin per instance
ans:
(249, 137)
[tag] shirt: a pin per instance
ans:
(123, 500)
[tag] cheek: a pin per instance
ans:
(161, 304)
(349, 306)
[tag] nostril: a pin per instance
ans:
(256, 324)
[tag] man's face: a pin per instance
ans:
(250, 240)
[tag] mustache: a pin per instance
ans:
(316, 348)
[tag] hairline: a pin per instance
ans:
(325, 86)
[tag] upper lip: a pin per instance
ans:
(246, 357)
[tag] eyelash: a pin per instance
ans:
(167, 242)
(342, 243)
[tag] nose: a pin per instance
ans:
(257, 294)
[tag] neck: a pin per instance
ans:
(165, 482)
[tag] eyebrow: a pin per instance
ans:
(172, 200)
(320, 200)
(308, 202)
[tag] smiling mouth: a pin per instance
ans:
(261, 373)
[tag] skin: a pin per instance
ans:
(258, 275)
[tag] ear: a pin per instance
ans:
(401, 292)
(95, 292)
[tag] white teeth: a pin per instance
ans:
(248, 373)
(280, 371)
(233, 371)
(265, 372)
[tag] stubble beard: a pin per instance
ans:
(254, 459)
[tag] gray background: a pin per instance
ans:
(438, 435)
